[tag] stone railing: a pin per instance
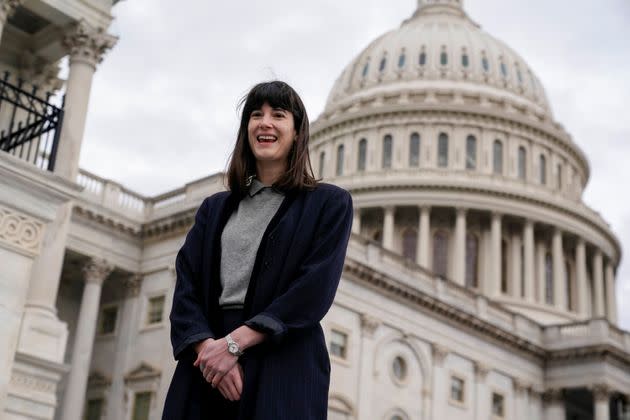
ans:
(588, 333)
(119, 199)
(409, 274)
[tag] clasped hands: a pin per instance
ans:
(220, 368)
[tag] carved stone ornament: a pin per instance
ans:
(520, 386)
(96, 270)
(601, 392)
(88, 44)
(553, 396)
(481, 371)
(133, 283)
(439, 354)
(39, 72)
(20, 230)
(369, 324)
(7, 8)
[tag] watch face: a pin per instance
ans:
(233, 348)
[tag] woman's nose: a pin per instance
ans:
(265, 121)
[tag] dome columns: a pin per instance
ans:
(527, 263)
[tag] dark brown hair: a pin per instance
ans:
(299, 173)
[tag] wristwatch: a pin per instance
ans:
(233, 347)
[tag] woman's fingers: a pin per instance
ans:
(238, 379)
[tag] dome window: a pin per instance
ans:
(340, 160)
(543, 169)
(471, 152)
(322, 158)
(440, 253)
(362, 155)
(522, 162)
(414, 150)
(387, 151)
(519, 76)
(465, 62)
(443, 150)
(484, 63)
(472, 260)
(423, 58)
(504, 71)
(443, 58)
(366, 67)
(381, 67)
(497, 157)
(401, 61)
(410, 242)
(548, 279)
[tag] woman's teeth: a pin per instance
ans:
(267, 139)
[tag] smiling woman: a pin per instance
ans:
(258, 271)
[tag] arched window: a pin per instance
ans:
(340, 160)
(519, 76)
(504, 71)
(414, 150)
(410, 241)
(543, 169)
(387, 151)
(484, 63)
(471, 152)
(381, 67)
(497, 157)
(504, 266)
(423, 58)
(472, 260)
(322, 159)
(465, 62)
(440, 253)
(366, 67)
(522, 161)
(443, 150)
(568, 279)
(362, 155)
(559, 172)
(401, 60)
(548, 279)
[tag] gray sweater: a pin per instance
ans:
(240, 241)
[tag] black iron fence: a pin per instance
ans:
(30, 124)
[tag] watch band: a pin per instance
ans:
(233, 347)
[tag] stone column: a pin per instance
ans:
(521, 406)
(559, 278)
(459, 269)
(95, 272)
(611, 302)
(87, 47)
(553, 404)
(582, 286)
(388, 228)
(601, 397)
(424, 233)
(495, 253)
(356, 221)
(440, 381)
(7, 8)
(369, 325)
(515, 248)
(528, 260)
(127, 324)
(598, 285)
(482, 399)
(540, 265)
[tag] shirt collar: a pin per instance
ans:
(255, 187)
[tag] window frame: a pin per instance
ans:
(99, 324)
(442, 159)
(462, 378)
(388, 146)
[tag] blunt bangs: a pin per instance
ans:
(278, 95)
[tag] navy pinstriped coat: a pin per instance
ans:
(294, 280)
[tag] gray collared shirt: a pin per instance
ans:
(241, 238)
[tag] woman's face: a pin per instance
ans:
(271, 133)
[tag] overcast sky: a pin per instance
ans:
(163, 104)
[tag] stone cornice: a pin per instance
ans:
(584, 353)
(172, 225)
(461, 114)
(413, 297)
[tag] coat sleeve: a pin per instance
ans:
(313, 289)
(188, 320)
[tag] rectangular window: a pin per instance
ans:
(498, 405)
(457, 389)
(338, 344)
(141, 406)
(93, 409)
(107, 324)
(155, 310)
